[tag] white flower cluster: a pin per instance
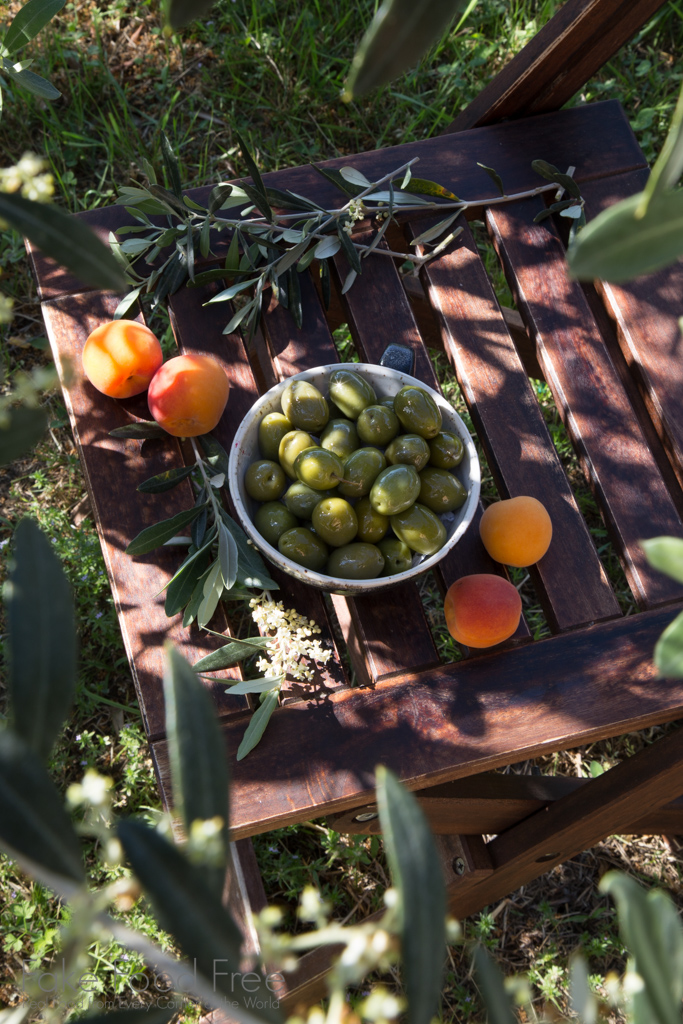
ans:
(26, 177)
(356, 211)
(290, 640)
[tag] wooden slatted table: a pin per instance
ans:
(613, 363)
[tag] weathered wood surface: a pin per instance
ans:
(113, 468)
(451, 721)
(588, 393)
(646, 313)
(650, 779)
(599, 132)
(558, 61)
(570, 579)
(490, 803)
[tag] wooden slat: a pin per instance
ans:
(606, 806)
(187, 311)
(490, 803)
(379, 312)
(558, 61)
(451, 721)
(391, 632)
(599, 132)
(646, 313)
(570, 579)
(113, 468)
(588, 393)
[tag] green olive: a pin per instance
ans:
(395, 489)
(291, 445)
(304, 406)
(335, 521)
(303, 547)
(446, 450)
(271, 430)
(377, 425)
(273, 519)
(417, 411)
(360, 471)
(264, 480)
(440, 490)
(388, 402)
(341, 437)
(350, 392)
(397, 556)
(410, 449)
(371, 525)
(357, 561)
(301, 499)
(420, 529)
(318, 468)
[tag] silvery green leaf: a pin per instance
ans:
(16, 67)
(205, 238)
(228, 556)
(445, 242)
(305, 260)
(166, 481)
(400, 198)
(190, 203)
(494, 176)
(350, 278)
(216, 455)
(582, 1000)
(379, 235)
(149, 170)
(36, 85)
(154, 536)
(129, 195)
(292, 235)
(231, 292)
(291, 257)
(239, 316)
(172, 168)
(490, 982)
(399, 34)
(217, 481)
(355, 177)
(231, 654)
(573, 212)
(435, 230)
(258, 723)
(134, 246)
(406, 179)
(256, 685)
(327, 247)
(349, 249)
(212, 589)
(28, 22)
(619, 244)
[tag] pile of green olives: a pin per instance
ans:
(351, 485)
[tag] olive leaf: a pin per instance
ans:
(259, 721)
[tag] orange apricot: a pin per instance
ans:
(188, 394)
(482, 610)
(121, 357)
(516, 531)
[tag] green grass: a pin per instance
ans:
(273, 71)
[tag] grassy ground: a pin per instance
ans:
(273, 70)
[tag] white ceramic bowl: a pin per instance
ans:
(386, 382)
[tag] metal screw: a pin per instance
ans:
(366, 816)
(459, 865)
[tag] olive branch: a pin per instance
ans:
(277, 234)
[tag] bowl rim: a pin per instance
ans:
(335, 583)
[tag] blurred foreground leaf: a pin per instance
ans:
(34, 827)
(617, 245)
(42, 635)
(653, 935)
(399, 34)
(65, 239)
(416, 873)
(24, 431)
